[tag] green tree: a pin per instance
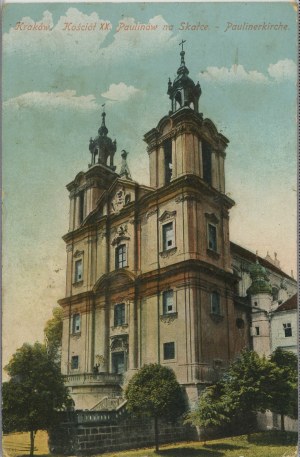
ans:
(214, 408)
(284, 399)
(239, 395)
(34, 393)
(53, 334)
(247, 385)
(154, 392)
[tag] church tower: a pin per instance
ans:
(186, 148)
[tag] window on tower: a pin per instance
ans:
(169, 351)
(178, 101)
(206, 161)
(168, 302)
(119, 314)
(75, 362)
(212, 237)
(215, 303)
(76, 323)
(81, 206)
(168, 160)
(168, 236)
(121, 256)
(78, 270)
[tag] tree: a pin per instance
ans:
(154, 392)
(53, 334)
(34, 393)
(239, 395)
(247, 384)
(214, 408)
(284, 388)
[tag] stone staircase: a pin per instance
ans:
(109, 404)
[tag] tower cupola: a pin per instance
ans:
(260, 280)
(102, 147)
(183, 91)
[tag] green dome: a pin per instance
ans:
(260, 280)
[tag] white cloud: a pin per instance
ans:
(134, 38)
(71, 47)
(66, 99)
(120, 92)
(283, 70)
(65, 45)
(236, 73)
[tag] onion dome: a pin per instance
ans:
(260, 280)
(102, 147)
(183, 91)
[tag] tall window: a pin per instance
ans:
(206, 160)
(76, 323)
(121, 257)
(78, 270)
(287, 329)
(75, 362)
(168, 302)
(215, 303)
(168, 160)
(168, 236)
(169, 351)
(212, 237)
(81, 206)
(119, 314)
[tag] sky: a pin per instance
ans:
(55, 81)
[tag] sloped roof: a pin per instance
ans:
(251, 257)
(290, 303)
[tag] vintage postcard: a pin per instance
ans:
(149, 202)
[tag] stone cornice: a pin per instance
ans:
(76, 299)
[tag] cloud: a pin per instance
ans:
(59, 40)
(283, 70)
(66, 99)
(236, 73)
(72, 47)
(120, 92)
(134, 38)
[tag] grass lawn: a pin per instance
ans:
(268, 444)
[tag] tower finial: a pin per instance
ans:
(103, 131)
(182, 53)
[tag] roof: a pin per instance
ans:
(289, 304)
(251, 257)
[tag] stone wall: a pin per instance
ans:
(74, 437)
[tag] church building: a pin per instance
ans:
(152, 276)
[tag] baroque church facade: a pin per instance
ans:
(152, 276)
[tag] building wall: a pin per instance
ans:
(278, 338)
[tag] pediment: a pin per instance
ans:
(167, 215)
(118, 278)
(211, 217)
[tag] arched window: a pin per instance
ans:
(178, 100)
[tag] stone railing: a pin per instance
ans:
(91, 378)
(93, 417)
(108, 404)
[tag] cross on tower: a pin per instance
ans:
(181, 44)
